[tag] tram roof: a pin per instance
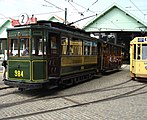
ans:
(46, 23)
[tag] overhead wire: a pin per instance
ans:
(54, 5)
(136, 7)
(81, 13)
(138, 10)
(34, 14)
(61, 10)
(82, 19)
(91, 15)
(83, 7)
(91, 6)
(76, 9)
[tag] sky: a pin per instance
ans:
(76, 9)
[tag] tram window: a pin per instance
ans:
(37, 46)
(87, 45)
(134, 51)
(53, 42)
(144, 53)
(75, 46)
(13, 47)
(45, 43)
(64, 42)
(138, 57)
(24, 47)
(19, 47)
(94, 48)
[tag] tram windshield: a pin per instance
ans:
(19, 47)
(144, 51)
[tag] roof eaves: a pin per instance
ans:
(108, 9)
(3, 25)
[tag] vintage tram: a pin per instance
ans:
(138, 58)
(49, 54)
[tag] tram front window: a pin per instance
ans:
(13, 47)
(18, 47)
(38, 46)
(144, 53)
(24, 47)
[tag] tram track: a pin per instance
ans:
(2, 88)
(64, 100)
(126, 94)
(45, 95)
(68, 96)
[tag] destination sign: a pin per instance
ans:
(142, 39)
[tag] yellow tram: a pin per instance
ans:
(138, 57)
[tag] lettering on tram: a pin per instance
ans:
(18, 73)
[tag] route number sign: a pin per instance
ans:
(23, 19)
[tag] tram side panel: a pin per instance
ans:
(78, 60)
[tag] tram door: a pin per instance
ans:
(54, 53)
(99, 55)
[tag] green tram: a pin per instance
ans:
(48, 54)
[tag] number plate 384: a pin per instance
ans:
(18, 73)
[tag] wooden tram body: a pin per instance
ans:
(48, 54)
(138, 58)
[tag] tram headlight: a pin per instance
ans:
(145, 67)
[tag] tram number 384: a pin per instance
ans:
(18, 73)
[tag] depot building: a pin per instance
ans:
(118, 26)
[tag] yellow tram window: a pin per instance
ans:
(75, 46)
(135, 51)
(144, 51)
(138, 48)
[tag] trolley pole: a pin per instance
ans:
(65, 16)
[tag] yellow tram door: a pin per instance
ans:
(138, 57)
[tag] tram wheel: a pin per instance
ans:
(21, 89)
(132, 78)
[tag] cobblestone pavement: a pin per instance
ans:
(110, 97)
